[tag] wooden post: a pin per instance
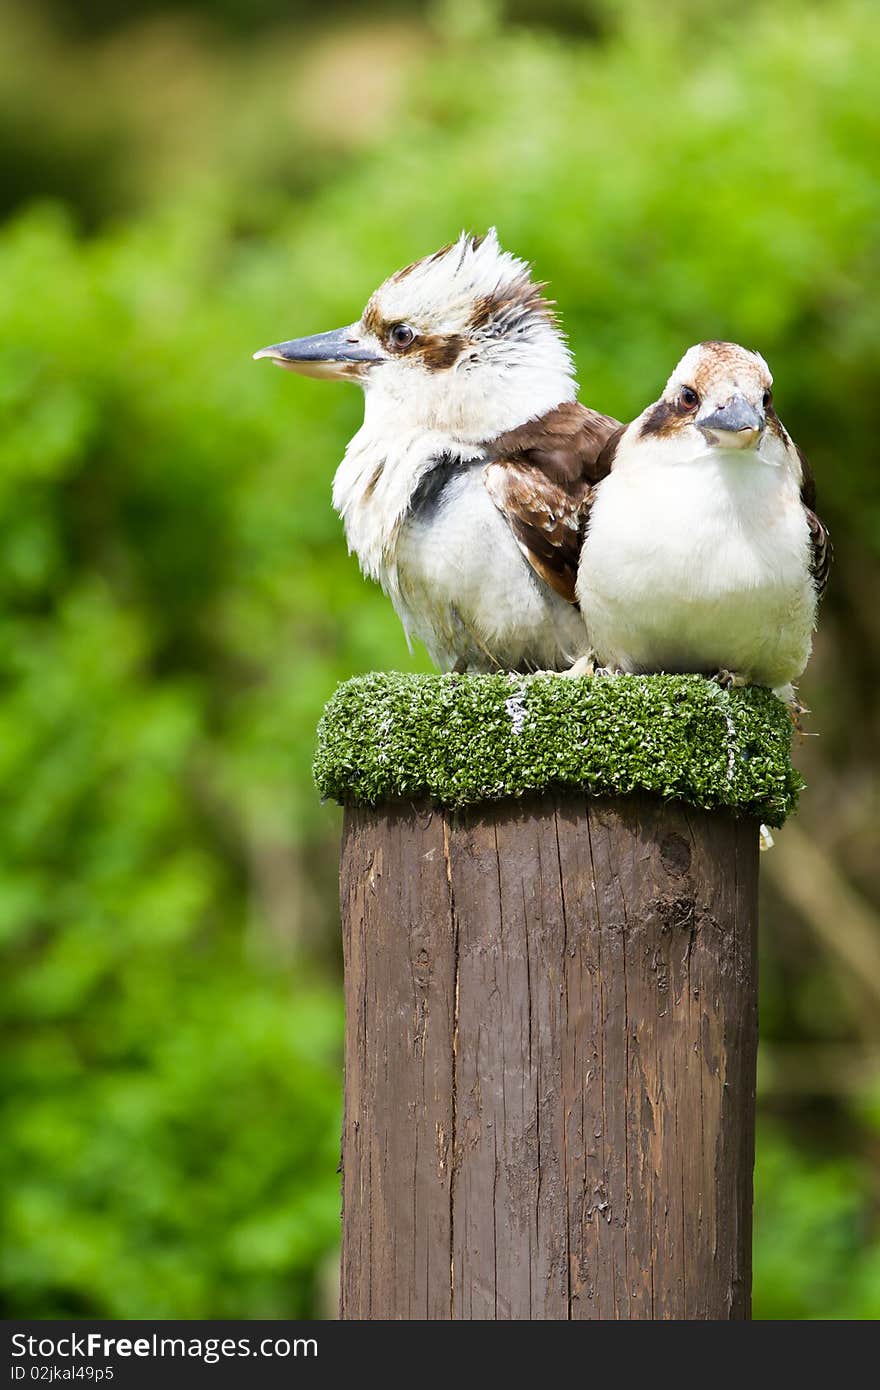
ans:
(550, 1059)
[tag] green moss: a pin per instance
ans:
(464, 739)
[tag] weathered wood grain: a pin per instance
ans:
(550, 1060)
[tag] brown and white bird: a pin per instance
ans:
(703, 551)
(463, 492)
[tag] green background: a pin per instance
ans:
(180, 186)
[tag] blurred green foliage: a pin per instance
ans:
(814, 1256)
(176, 602)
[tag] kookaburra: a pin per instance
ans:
(703, 551)
(463, 493)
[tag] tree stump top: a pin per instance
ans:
(464, 739)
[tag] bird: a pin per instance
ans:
(463, 492)
(702, 550)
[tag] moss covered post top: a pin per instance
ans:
(464, 739)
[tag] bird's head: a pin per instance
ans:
(462, 341)
(718, 397)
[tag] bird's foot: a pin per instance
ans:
(584, 666)
(728, 680)
(588, 666)
(795, 711)
(795, 708)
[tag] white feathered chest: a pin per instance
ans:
(700, 565)
(423, 525)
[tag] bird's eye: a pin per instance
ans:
(401, 335)
(767, 398)
(688, 399)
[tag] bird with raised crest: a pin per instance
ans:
(464, 492)
(702, 548)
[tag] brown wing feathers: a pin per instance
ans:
(541, 475)
(821, 550)
(544, 518)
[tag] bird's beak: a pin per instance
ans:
(735, 425)
(342, 353)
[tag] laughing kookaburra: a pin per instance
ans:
(703, 551)
(463, 493)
